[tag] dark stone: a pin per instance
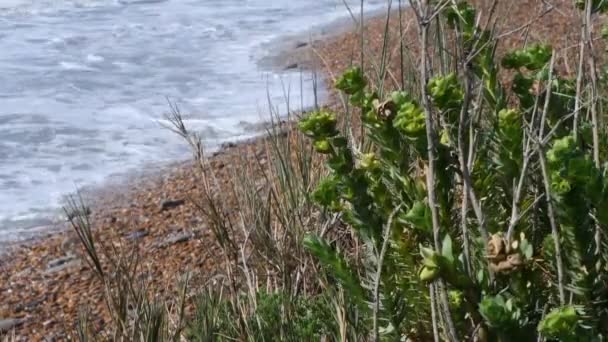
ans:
(62, 263)
(170, 204)
(29, 306)
(291, 66)
(301, 45)
(228, 145)
(8, 324)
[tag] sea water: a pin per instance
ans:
(85, 84)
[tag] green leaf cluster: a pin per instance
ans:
(532, 58)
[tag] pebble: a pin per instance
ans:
(291, 66)
(8, 324)
(170, 204)
(175, 238)
(60, 261)
(63, 263)
(29, 306)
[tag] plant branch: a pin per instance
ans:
(387, 231)
(588, 27)
(546, 182)
(581, 71)
(423, 24)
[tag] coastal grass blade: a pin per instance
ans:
(77, 214)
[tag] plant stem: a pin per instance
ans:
(588, 27)
(581, 72)
(465, 231)
(554, 229)
(423, 23)
(517, 193)
(545, 172)
(462, 154)
(434, 312)
(430, 134)
(401, 52)
(387, 231)
(362, 33)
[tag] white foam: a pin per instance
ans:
(36, 7)
(95, 58)
(75, 66)
(89, 100)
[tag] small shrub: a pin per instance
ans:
(501, 191)
(309, 319)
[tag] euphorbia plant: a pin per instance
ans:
(516, 198)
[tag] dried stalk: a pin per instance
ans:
(462, 153)
(464, 227)
(554, 228)
(430, 131)
(424, 16)
(546, 182)
(594, 99)
(515, 216)
(588, 29)
(581, 71)
(434, 312)
(387, 231)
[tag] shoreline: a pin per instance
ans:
(114, 185)
(278, 62)
(295, 50)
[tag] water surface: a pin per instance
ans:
(85, 82)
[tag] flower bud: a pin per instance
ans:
(429, 274)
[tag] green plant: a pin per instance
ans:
(561, 323)
(135, 314)
(259, 222)
(493, 187)
(311, 318)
